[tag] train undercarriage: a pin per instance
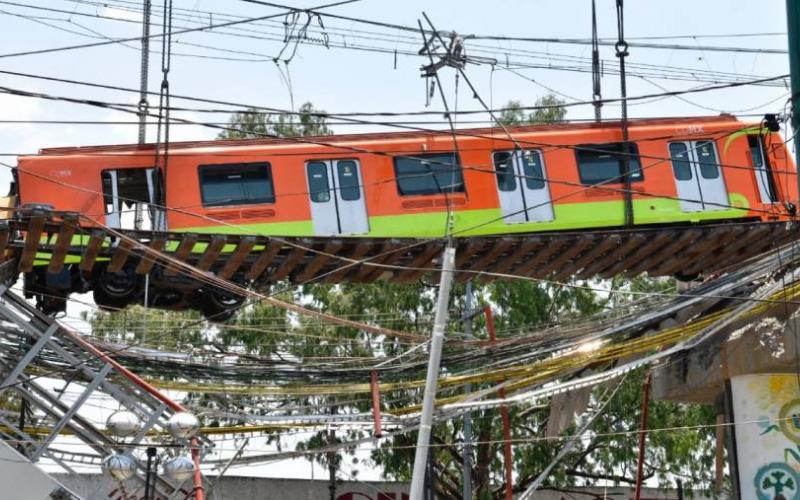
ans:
(169, 270)
(113, 291)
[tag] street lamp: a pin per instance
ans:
(123, 424)
(182, 428)
(119, 467)
(183, 425)
(179, 468)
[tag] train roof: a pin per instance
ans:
(373, 136)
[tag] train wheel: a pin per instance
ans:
(218, 306)
(687, 277)
(113, 291)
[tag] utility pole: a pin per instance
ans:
(467, 453)
(332, 456)
(145, 68)
(508, 458)
(643, 437)
(597, 96)
(793, 22)
(432, 379)
(144, 72)
(622, 52)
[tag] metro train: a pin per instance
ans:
(427, 184)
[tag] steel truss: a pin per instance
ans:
(37, 336)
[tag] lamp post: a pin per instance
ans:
(183, 427)
(150, 473)
(179, 467)
(120, 466)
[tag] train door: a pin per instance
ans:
(763, 170)
(337, 197)
(522, 187)
(133, 198)
(698, 176)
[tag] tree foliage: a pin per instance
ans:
(549, 109)
(254, 124)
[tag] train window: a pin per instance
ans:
(506, 173)
(236, 184)
(602, 163)
(532, 169)
(108, 191)
(680, 161)
(429, 174)
(318, 186)
(707, 159)
(504, 167)
(348, 180)
(756, 151)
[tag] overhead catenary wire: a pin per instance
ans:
(692, 75)
(186, 30)
(583, 41)
(482, 403)
(659, 339)
(344, 115)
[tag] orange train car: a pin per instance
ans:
(426, 184)
(562, 177)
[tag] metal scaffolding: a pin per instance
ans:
(33, 340)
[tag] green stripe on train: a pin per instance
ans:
(585, 215)
(567, 216)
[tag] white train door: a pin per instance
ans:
(698, 176)
(522, 186)
(133, 198)
(336, 193)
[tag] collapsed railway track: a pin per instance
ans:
(53, 250)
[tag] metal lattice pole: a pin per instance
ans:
(145, 69)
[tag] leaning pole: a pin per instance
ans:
(432, 379)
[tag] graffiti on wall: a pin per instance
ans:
(767, 414)
(377, 496)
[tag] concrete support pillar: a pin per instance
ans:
(752, 379)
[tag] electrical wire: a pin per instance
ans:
(178, 32)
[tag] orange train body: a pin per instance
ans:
(570, 169)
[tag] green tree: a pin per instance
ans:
(550, 109)
(254, 124)
(157, 328)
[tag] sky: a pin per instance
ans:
(339, 79)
